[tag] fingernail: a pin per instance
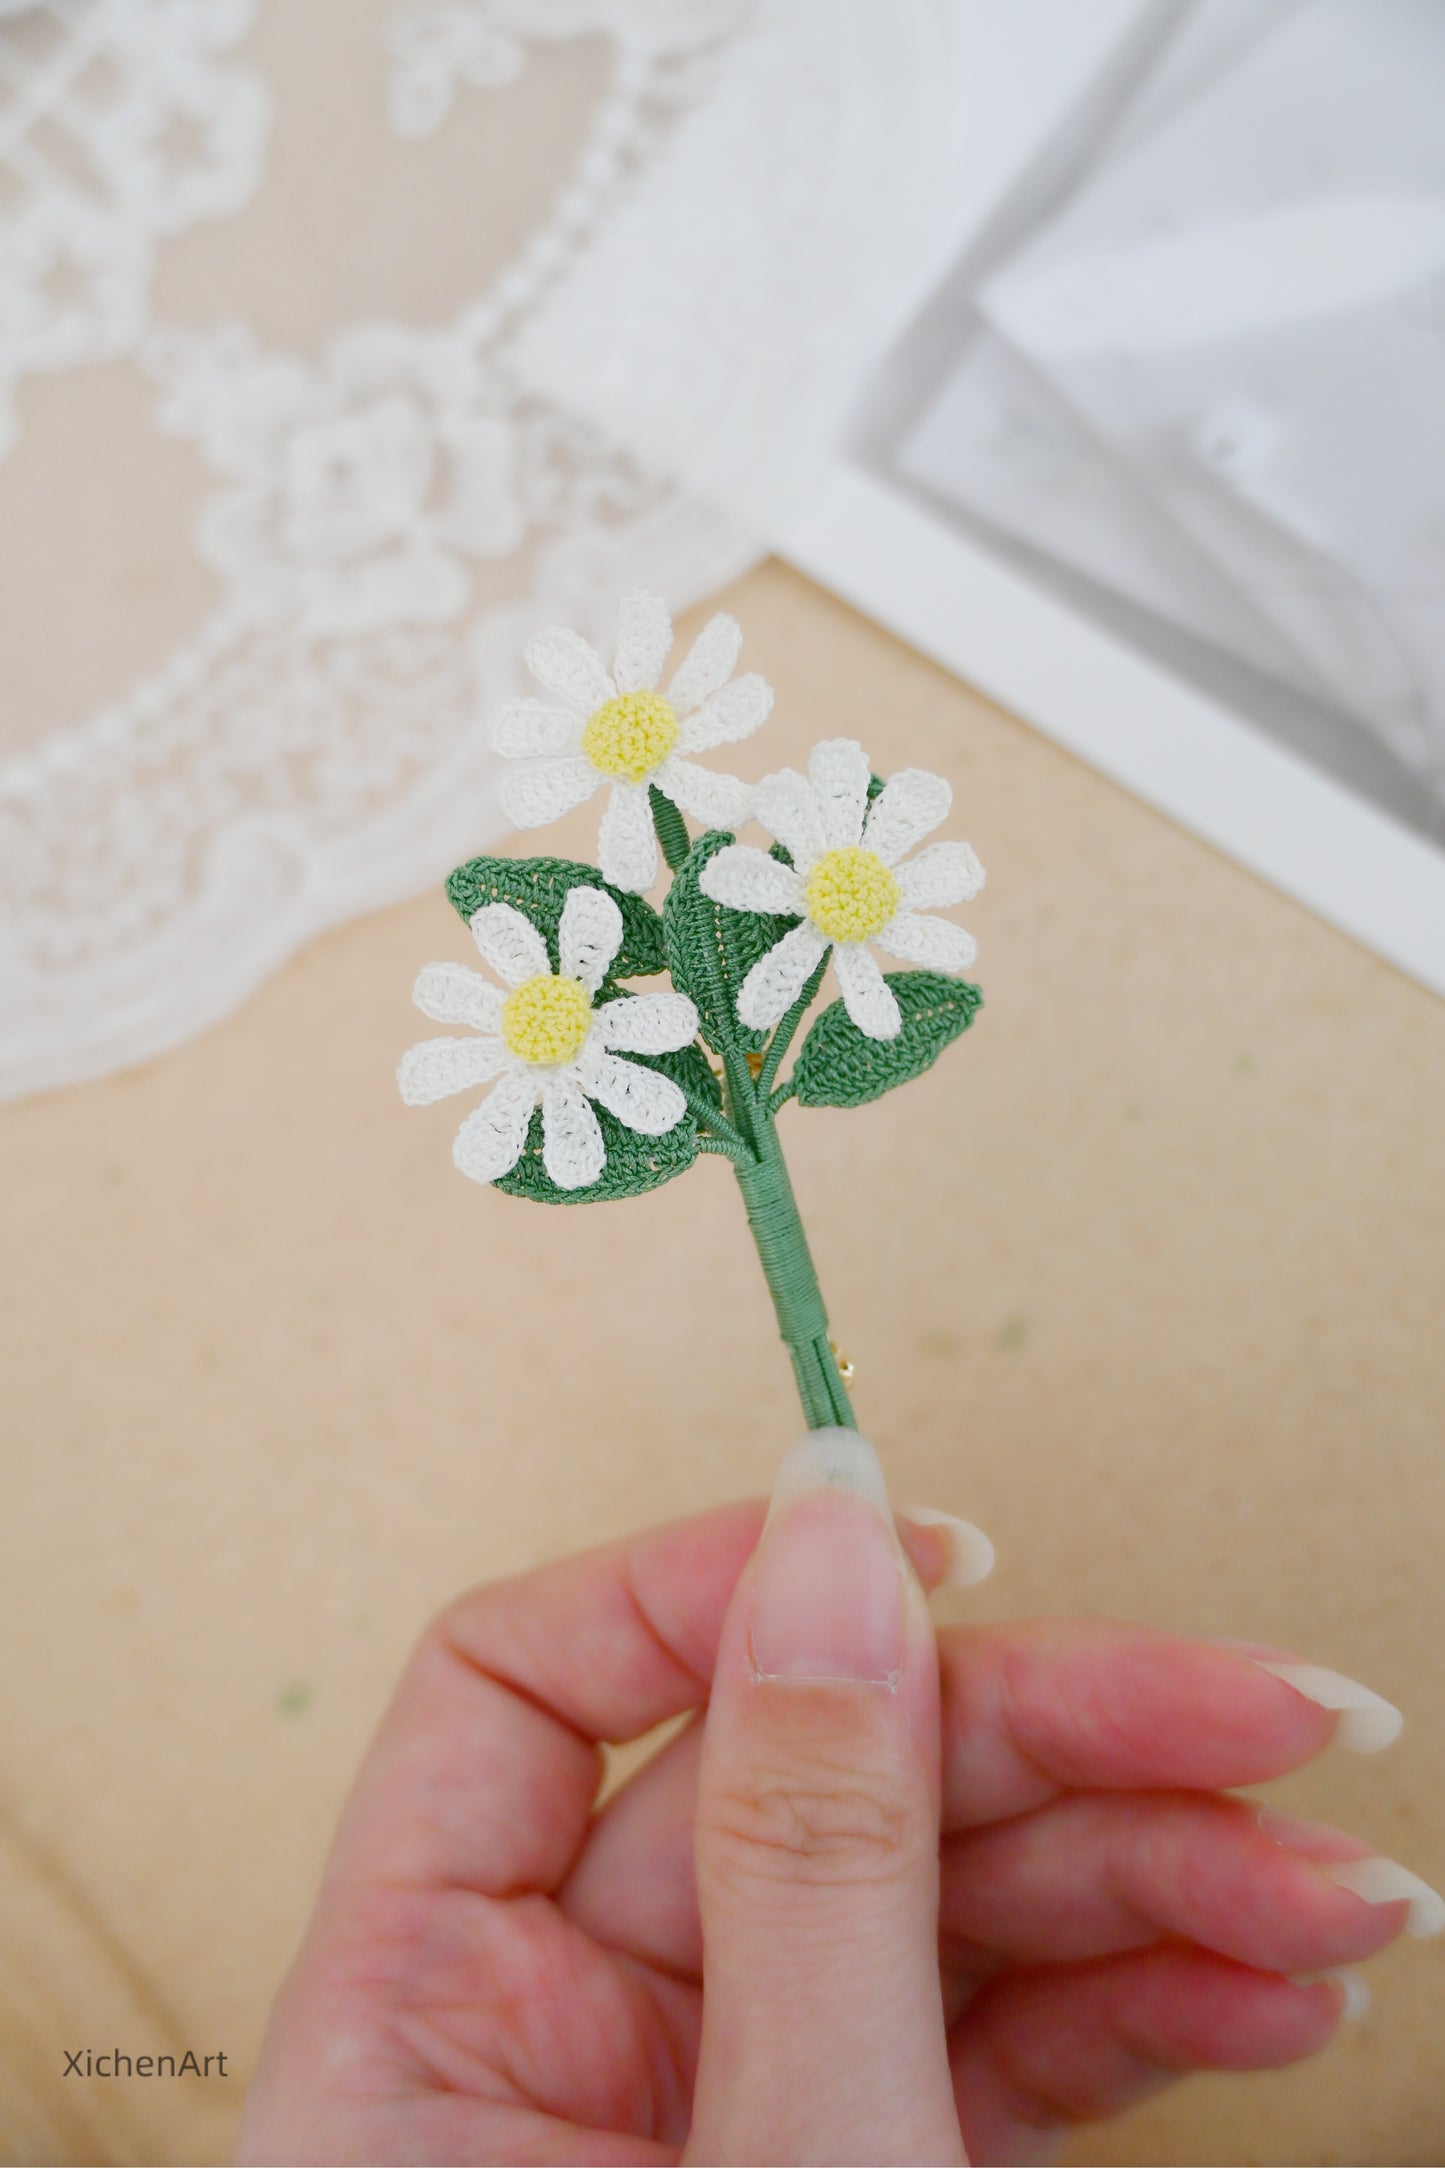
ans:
(970, 1554)
(1385, 1882)
(828, 1592)
(1355, 1996)
(1378, 1881)
(1367, 1721)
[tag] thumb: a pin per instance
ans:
(817, 1840)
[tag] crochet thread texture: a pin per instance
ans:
(839, 1067)
(539, 887)
(605, 1092)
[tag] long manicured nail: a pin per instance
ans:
(829, 1591)
(1355, 1996)
(970, 1554)
(1385, 1882)
(1367, 1721)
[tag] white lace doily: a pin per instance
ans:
(328, 342)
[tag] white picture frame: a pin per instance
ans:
(869, 541)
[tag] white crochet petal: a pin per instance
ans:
(439, 1067)
(510, 943)
(909, 806)
(590, 934)
(489, 1142)
(936, 943)
(568, 667)
(839, 772)
(529, 727)
(642, 1099)
(538, 791)
(734, 712)
(573, 1152)
(787, 806)
(644, 636)
(648, 1023)
(708, 663)
(718, 801)
(626, 842)
(867, 996)
(747, 879)
(777, 979)
(451, 994)
(945, 873)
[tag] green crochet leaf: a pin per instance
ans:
(839, 1066)
(634, 1164)
(711, 950)
(537, 887)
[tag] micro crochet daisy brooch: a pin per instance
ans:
(594, 1089)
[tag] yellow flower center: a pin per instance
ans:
(545, 1020)
(630, 735)
(851, 894)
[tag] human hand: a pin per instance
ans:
(971, 1902)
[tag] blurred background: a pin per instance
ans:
(342, 345)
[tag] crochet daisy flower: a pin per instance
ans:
(620, 729)
(851, 884)
(543, 1039)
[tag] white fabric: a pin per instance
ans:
(389, 503)
(79, 249)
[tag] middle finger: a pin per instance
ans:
(1029, 1711)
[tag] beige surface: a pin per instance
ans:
(1145, 1278)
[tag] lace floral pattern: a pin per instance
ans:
(122, 123)
(359, 493)
(319, 744)
(385, 507)
(438, 45)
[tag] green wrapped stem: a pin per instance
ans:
(787, 1266)
(747, 1135)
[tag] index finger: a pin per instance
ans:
(487, 1763)
(1031, 1710)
